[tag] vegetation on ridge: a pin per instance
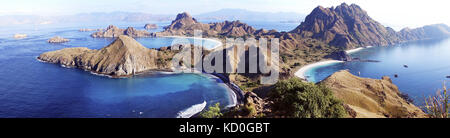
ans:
(212, 112)
(299, 99)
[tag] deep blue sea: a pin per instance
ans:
(29, 88)
(427, 61)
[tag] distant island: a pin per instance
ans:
(150, 26)
(57, 39)
(114, 31)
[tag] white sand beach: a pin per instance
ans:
(301, 72)
(356, 49)
(219, 43)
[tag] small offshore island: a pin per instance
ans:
(324, 36)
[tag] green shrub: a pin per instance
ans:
(295, 98)
(212, 112)
(437, 106)
(250, 109)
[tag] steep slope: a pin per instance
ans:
(346, 26)
(124, 57)
(370, 97)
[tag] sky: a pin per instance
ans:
(411, 13)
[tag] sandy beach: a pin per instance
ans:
(219, 43)
(301, 72)
(356, 49)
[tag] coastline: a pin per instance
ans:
(219, 43)
(197, 108)
(232, 92)
(301, 73)
(356, 49)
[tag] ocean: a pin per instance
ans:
(33, 89)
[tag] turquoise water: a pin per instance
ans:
(29, 88)
(427, 62)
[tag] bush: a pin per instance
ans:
(250, 109)
(212, 112)
(295, 98)
(437, 106)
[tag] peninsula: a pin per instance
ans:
(123, 57)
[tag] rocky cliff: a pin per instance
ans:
(185, 24)
(123, 57)
(370, 97)
(114, 31)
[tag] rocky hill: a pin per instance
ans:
(434, 31)
(370, 98)
(349, 26)
(185, 24)
(123, 57)
(114, 31)
(346, 26)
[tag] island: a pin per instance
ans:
(150, 26)
(89, 30)
(20, 36)
(57, 39)
(114, 31)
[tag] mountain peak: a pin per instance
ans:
(346, 26)
(183, 15)
(185, 18)
(124, 42)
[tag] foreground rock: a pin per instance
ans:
(57, 39)
(150, 26)
(124, 57)
(114, 31)
(371, 98)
